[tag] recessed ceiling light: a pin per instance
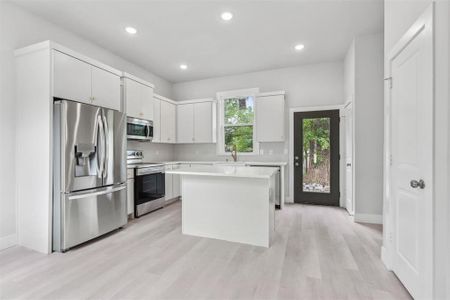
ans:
(131, 30)
(183, 67)
(299, 47)
(226, 16)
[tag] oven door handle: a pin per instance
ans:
(148, 131)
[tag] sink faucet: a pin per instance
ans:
(234, 153)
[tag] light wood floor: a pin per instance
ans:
(318, 253)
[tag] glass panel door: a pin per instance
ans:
(316, 155)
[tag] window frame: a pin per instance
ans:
(221, 97)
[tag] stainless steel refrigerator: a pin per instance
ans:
(89, 167)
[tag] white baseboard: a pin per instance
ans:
(368, 218)
(8, 241)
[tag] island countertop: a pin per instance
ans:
(226, 171)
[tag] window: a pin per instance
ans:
(237, 122)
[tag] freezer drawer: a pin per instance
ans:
(87, 215)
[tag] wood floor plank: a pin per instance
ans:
(317, 253)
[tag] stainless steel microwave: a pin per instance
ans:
(139, 129)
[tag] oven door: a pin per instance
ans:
(149, 192)
(138, 129)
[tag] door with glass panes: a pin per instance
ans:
(316, 157)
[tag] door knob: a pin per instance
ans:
(296, 157)
(417, 184)
(296, 164)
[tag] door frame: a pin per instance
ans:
(388, 246)
(293, 110)
(344, 151)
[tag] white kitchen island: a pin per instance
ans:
(232, 203)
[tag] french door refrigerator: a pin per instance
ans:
(89, 167)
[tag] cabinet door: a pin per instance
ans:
(156, 120)
(146, 94)
(167, 122)
(132, 96)
(71, 78)
(203, 122)
(185, 123)
(176, 185)
(270, 118)
(172, 123)
(169, 193)
(105, 89)
(130, 196)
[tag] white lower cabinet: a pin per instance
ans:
(176, 183)
(173, 184)
(169, 194)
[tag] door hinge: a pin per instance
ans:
(390, 81)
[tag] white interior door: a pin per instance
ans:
(348, 113)
(412, 159)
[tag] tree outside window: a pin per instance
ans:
(238, 123)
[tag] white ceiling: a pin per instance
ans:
(260, 36)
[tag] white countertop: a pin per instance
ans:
(225, 171)
(238, 163)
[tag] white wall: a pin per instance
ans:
(364, 87)
(19, 28)
(349, 73)
(368, 113)
(399, 16)
(305, 86)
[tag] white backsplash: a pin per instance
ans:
(208, 152)
(153, 152)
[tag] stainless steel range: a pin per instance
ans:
(149, 183)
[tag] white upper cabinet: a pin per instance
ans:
(168, 122)
(196, 122)
(139, 99)
(77, 80)
(204, 122)
(185, 123)
(270, 118)
(156, 120)
(147, 102)
(71, 78)
(105, 88)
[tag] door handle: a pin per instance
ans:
(417, 184)
(297, 164)
(105, 135)
(296, 157)
(100, 150)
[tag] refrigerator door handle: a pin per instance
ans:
(106, 153)
(100, 150)
(91, 194)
